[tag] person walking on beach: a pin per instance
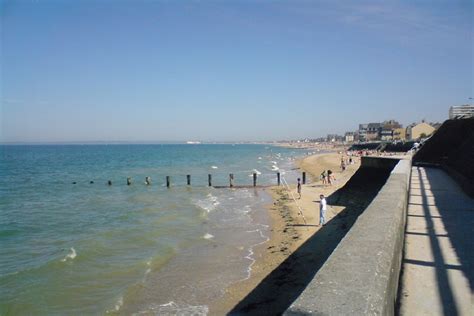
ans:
(343, 164)
(330, 178)
(323, 176)
(322, 210)
(298, 187)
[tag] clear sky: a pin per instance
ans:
(228, 70)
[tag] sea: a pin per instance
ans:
(73, 244)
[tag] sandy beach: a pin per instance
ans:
(316, 146)
(279, 274)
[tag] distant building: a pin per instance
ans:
(391, 124)
(387, 130)
(318, 140)
(373, 131)
(334, 138)
(378, 131)
(349, 137)
(386, 134)
(399, 134)
(362, 132)
(356, 136)
(461, 111)
(416, 131)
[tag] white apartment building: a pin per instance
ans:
(461, 111)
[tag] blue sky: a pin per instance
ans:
(227, 70)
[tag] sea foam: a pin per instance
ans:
(255, 171)
(209, 203)
(71, 255)
(117, 307)
(208, 236)
(250, 255)
(172, 308)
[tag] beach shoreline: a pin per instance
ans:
(316, 146)
(289, 229)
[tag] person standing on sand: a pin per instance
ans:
(323, 176)
(298, 187)
(322, 210)
(330, 178)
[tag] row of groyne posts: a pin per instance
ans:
(209, 180)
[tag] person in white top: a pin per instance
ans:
(322, 210)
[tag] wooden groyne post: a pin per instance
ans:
(209, 179)
(188, 179)
(278, 178)
(304, 177)
(231, 180)
(254, 179)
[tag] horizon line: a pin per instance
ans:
(139, 142)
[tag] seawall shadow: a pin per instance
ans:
(457, 217)
(458, 220)
(284, 284)
(444, 286)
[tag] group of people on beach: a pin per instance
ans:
(327, 177)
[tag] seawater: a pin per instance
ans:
(69, 246)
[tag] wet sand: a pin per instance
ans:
(279, 274)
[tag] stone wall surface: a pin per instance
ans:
(361, 275)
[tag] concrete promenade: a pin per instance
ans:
(438, 260)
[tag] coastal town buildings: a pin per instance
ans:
(386, 131)
(391, 124)
(378, 131)
(349, 137)
(334, 138)
(388, 128)
(461, 111)
(373, 131)
(363, 132)
(420, 130)
(392, 130)
(386, 134)
(400, 134)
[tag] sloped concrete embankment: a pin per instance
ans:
(452, 148)
(361, 275)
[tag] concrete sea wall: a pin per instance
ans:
(452, 148)
(361, 275)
